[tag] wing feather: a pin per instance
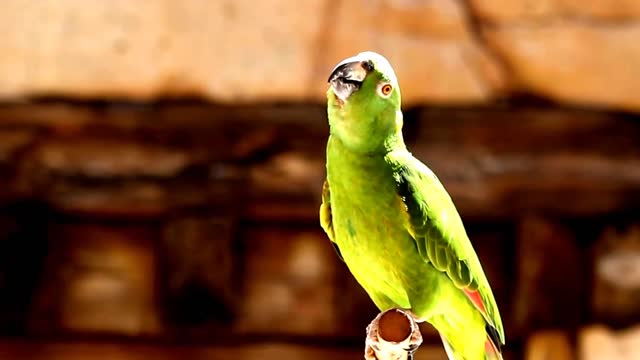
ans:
(436, 226)
(326, 220)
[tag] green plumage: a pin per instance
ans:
(392, 221)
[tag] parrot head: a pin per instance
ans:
(364, 103)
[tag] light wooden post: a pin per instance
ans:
(392, 335)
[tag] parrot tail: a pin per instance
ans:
(492, 349)
(447, 348)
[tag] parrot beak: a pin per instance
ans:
(347, 77)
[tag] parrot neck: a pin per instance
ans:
(367, 135)
(394, 142)
(339, 152)
(391, 143)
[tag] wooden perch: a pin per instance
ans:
(392, 335)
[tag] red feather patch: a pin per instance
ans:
(492, 344)
(474, 296)
(491, 351)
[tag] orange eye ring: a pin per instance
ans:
(386, 89)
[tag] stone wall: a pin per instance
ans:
(445, 51)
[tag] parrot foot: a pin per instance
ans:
(393, 335)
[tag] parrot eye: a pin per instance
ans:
(385, 89)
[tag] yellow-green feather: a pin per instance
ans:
(435, 224)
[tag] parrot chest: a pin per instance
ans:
(369, 226)
(372, 240)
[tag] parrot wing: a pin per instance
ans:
(436, 227)
(326, 220)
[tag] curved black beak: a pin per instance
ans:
(347, 77)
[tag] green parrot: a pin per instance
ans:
(391, 220)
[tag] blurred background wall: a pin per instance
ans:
(162, 164)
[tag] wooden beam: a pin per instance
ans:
(549, 278)
(496, 162)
